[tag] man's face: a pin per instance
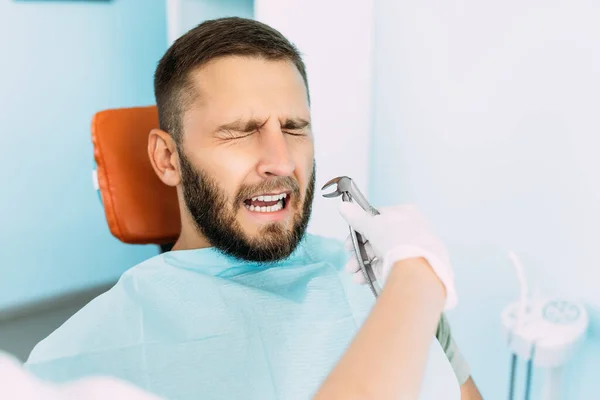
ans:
(247, 157)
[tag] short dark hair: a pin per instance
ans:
(231, 36)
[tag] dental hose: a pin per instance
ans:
(528, 378)
(513, 372)
(529, 374)
(521, 315)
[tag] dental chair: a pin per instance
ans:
(139, 208)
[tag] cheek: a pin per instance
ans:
(228, 168)
(303, 155)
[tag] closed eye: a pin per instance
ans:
(229, 134)
(295, 124)
(296, 127)
(296, 133)
(239, 129)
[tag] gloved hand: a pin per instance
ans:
(398, 233)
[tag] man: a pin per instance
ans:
(246, 305)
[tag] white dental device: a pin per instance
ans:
(545, 332)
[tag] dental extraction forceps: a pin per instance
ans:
(349, 192)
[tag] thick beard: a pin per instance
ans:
(215, 217)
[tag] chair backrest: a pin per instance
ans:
(139, 208)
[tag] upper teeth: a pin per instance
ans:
(274, 197)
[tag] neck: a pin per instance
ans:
(190, 238)
(189, 244)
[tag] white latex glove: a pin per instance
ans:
(398, 233)
(18, 384)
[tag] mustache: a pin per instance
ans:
(277, 184)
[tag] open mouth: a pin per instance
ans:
(267, 203)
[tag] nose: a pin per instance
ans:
(276, 159)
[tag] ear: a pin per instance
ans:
(162, 152)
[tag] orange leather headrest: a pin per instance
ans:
(139, 208)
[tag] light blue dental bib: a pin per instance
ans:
(198, 325)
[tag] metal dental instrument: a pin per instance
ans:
(346, 188)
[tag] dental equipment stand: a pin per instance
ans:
(545, 333)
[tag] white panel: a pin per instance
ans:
(488, 118)
(193, 12)
(174, 29)
(183, 15)
(335, 38)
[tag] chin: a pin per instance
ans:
(270, 231)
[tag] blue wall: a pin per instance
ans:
(60, 62)
(485, 115)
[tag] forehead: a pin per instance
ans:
(234, 87)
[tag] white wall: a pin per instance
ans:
(487, 116)
(335, 38)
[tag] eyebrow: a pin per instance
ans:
(254, 124)
(241, 125)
